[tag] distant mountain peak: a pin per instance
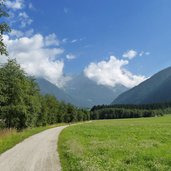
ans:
(81, 91)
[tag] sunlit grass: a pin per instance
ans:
(111, 145)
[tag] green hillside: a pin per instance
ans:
(156, 89)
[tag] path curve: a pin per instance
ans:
(36, 153)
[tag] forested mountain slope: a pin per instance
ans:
(156, 89)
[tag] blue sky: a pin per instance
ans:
(111, 26)
(93, 30)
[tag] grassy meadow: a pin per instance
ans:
(11, 137)
(117, 145)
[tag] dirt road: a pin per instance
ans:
(37, 153)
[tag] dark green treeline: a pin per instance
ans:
(22, 105)
(129, 111)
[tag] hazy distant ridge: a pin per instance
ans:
(81, 91)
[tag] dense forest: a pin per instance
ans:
(22, 105)
(129, 111)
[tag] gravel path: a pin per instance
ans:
(36, 153)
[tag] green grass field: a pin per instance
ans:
(9, 138)
(117, 145)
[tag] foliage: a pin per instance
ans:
(18, 94)
(129, 111)
(22, 105)
(3, 27)
(122, 145)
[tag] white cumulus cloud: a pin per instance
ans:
(112, 72)
(51, 40)
(130, 54)
(18, 17)
(37, 58)
(16, 33)
(24, 19)
(15, 5)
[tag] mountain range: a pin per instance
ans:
(81, 91)
(156, 89)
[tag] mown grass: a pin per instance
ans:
(10, 137)
(117, 145)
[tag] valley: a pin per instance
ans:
(85, 85)
(81, 91)
(124, 144)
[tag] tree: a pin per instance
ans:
(21, 104)
(3, 27)
(52, 106)
(33, 103)
(19, 97)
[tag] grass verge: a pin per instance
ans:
(9, 138)
(117, 145)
